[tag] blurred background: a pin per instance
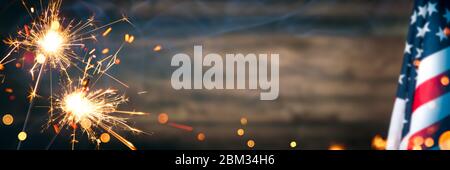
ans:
(339, 67)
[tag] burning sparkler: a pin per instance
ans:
(53, 41)
(92, 110)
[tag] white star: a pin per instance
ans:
(408, 48)
(405, 121)
(414, 18)
(423, 11)
(419, 52)
(431, 8)
(441, 34)
(400, 79)
(422, 31)
(447, 15)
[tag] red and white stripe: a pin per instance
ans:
(430, 104)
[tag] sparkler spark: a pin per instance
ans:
(93, 110)
(50, 38)
(52, 41)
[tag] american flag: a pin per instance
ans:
(421, 115)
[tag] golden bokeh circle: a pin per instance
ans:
(22, 136)
(244, 121)
(417, 63)
(445, 81)
(293, 144)
(86, 123)
(251, 143)
(105, 138)
(201, 136)
(418, 140)
(157, 48)
(163, 118)
(429, 142)
(8, 119)
(444, 141)
(241, 132)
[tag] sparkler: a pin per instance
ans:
(78, 106)
(53, 41)
(92, 110)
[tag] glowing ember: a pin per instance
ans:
(9, 90)
(107, 32)
(105, 51)
(157, 48)
(129, 38)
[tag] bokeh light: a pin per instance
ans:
(293, 144)
(201, 136)
(105, 137)
(251, 143)
(244, 121)
(8, 119)
(429, 142)
(336, 147)
(240, 132)
(163, 118)
(444, 141)
(22, 136)
(445, 81)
